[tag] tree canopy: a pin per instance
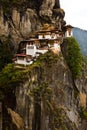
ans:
(73, 56)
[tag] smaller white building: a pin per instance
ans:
(69, 31)
(23, 59)
(31, 51)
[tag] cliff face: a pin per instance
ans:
(29, 16)
(50, 99)
(44, 96)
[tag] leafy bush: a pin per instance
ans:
(73, 56)
(10, 76)
(49, 58)
(85, 59)
(83, 113)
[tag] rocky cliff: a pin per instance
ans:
(47, 101)
(18, 20)
(44, 96)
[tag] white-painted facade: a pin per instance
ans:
(42, 51)
(47, 36)
(31, 50)
(44, 36)
(23, 61)
(40, 36)
(69, 33)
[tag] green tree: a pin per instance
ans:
(10, 76)
(73, 56)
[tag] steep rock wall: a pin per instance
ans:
(18, 27)
(46, 96)
(20, 21)
(43, 110)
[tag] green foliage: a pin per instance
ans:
(85, 59)
(83, 113)
(36, 64)
(48, 58)
(43, 91)
(58, 116)
(73, 56)
(5, 53)
(10, 76)
(64, 127)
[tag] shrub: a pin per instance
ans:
(48, 58)
(85, 59)
(83, 113)
(73, 56)
(10, 77)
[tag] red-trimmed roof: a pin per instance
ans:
(69, 26)
(14, 59)
(21, 55)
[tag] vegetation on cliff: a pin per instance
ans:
(10, 75)
(73, 56)
(81, 37)
(83, 113)
(39, 88)
(13, 75)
